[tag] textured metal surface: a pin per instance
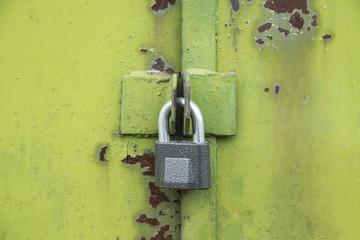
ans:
(173, 104)
(186, 93)
(192, 159)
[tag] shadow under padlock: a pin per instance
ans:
(182, 164)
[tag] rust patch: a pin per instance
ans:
(277, 89)
(102, 154)
(286, 32)
(283, 6)
(157, 196)
(161, 234)
(146, 160)
(266, 90)
(296, 21)
(159, 65)
(162, 4)
(144, 219)
(314, 22)
(265, 27)
(235, 5)
(260, 41)
(178, 226)
(170, 71)
(326, 36)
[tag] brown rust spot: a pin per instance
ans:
(159, 65)
(170, 71)
(235, 5)
(144, 50)
(266, 90)
(314, 22)
(178, 226)
(277, 89)
(146, 160)
(260, 41)
(157, 196)
(326, 36)
(283, 6)
(144, 219)
(177, 201)
(308, 28)
(102, 154)
(296, 21)
(286, 32)
(264, 27)
(269, 37)
(161, 234)
(162, 4)
(143, 238)
(161, 213)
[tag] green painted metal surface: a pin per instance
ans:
(143, 95)
(215, 94)
(290, 172)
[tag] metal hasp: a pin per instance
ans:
(181, 164)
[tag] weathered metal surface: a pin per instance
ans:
(143, 95)
(292, 170)
(198, 208)
(172, 120)
(198, 34)
(61, 68)
(186, 114)
(215, 94)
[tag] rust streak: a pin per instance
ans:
(144, 219)
(102, 154)
(157, 196)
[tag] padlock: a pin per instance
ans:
(182, 164)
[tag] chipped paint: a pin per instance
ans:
(159, 66)
(166, 200)
(102, 154)
(162, 4)
(235, 5)
(286, 18)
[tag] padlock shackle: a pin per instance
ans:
(196, 117)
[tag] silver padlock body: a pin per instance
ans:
(182, 165)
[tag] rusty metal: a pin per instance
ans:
(173, 105)
(186, 89)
